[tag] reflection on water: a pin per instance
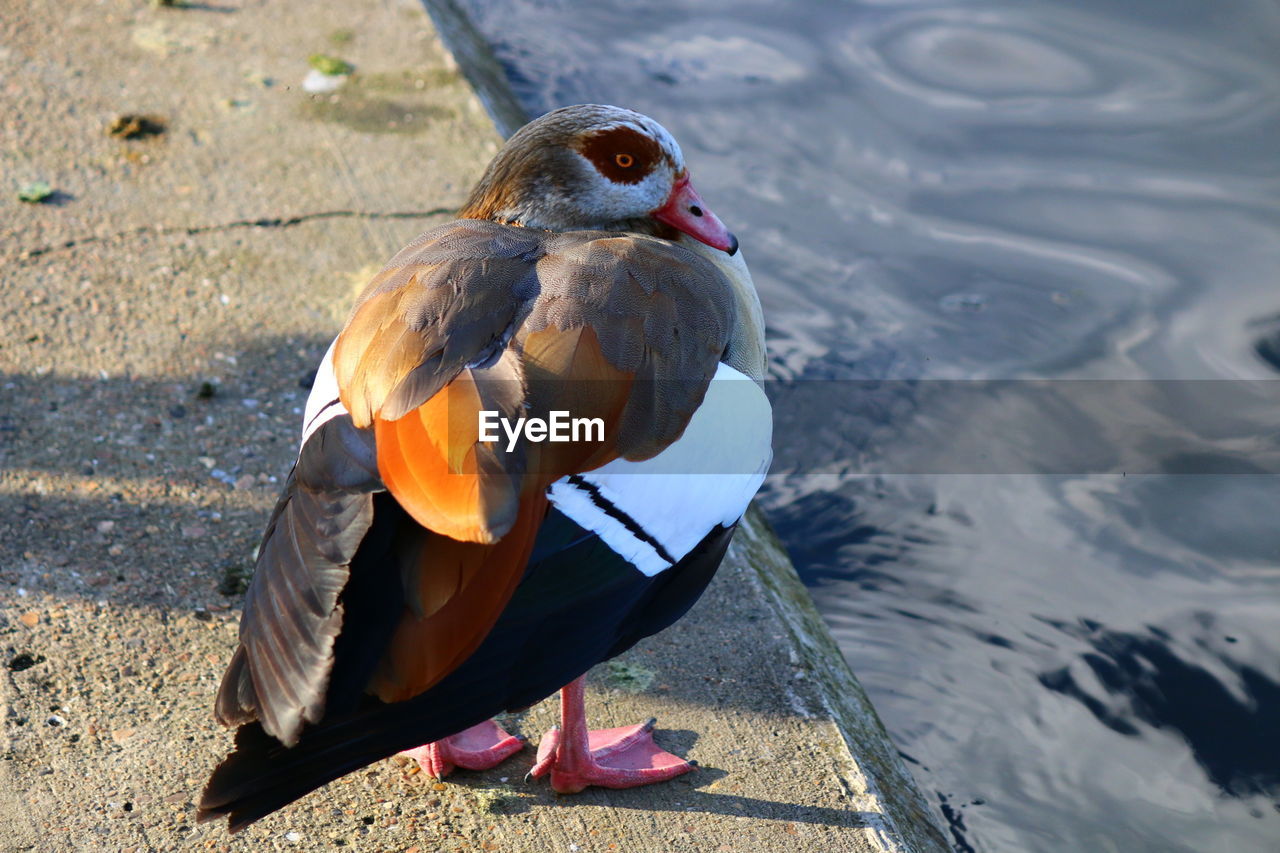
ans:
(1052, 189)
(1227, 719)
(1268, 345)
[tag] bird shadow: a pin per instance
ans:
(685, 794)
(58, 198)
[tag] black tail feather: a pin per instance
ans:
(263, 775)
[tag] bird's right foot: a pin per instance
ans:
(625, 757)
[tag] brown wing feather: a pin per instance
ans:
(455, 292)
(292, 614)
(658, 311)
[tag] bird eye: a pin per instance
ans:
(626, 161)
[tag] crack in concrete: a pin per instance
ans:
(261, 222)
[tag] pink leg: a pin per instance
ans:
(625, 757)
(477, 748)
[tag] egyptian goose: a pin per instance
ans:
(417, 576)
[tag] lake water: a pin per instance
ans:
(1060, 584)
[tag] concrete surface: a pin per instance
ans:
(157, 317)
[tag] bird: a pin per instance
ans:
(419, 576)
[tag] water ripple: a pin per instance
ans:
(1055, 68)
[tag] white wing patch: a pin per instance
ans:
(653, 513)
(323, 404)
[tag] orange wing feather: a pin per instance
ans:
(441, 627)
(432, 462)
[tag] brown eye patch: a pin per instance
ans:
(622, 154)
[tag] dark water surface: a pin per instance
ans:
(1071, 658)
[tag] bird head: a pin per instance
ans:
(593, 166)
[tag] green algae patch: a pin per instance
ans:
(374, 115)
(388, 102)
(408, 80)
(331, 65)
(627, 677)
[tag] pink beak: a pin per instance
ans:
(685, 211)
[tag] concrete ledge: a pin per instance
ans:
(895, 810)
(157, 320)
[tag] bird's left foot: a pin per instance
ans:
(477, 748)
(625, 757)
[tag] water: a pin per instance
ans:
(1071, 658)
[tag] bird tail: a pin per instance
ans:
(262, 775)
